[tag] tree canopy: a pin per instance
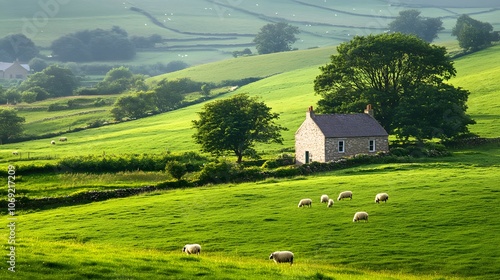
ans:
(55, 80)
(10, 125)
(403, 78)
(472, 34)
(234, 125)
(275, 37)
(17, 46)
(410, 22)
(94, 45)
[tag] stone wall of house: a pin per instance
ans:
(309, 138)
(354, 146)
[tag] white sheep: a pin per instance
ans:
(192, 249)
(282, 257)
(330, 203)
(305, 201)
(360, 216)
(381, 197)
(53, 142)
(345, 194)
(63, 139)
(324, 198)
(15, 153)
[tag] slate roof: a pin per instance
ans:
(5, 65)
(348, 125)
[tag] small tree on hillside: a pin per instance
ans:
(234, 125)
(472, 34)
(410, 22)
(10, 125)
(275, 37)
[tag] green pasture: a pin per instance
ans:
(209, 31)
(437, 224)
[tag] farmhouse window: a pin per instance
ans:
(341, 146)
(307, 157)
(372, 145)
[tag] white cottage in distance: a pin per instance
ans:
(329, 137)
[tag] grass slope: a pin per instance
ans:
(437, 224)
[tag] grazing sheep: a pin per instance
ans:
(360, 216)
(324, 198)
(15, 153)
(345, 194)
(305, 201)
(330, 203)
(63, 139)
(192, 249)
(282, 257)
(381, 197)
(53, 142)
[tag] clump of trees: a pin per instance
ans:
(234, 125)
(410, 22)
(94, 45)
(17, 46)
(275, 37)
(403, 77)
(473, 34)
(10, 125)
(53, 81)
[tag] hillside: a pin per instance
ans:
(209, 30)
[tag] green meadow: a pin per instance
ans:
(439, 222)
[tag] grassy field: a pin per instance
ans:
(207, 31)
(437, 224)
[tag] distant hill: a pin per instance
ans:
(208, 30)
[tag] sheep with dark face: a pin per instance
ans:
(53, 142)
(346, 194)
(330, 203)
(305, 202)
(360, 216)
(192, 249)
(381, 197)
(282, 257)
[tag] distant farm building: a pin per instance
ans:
(328, 137)
(14, 70)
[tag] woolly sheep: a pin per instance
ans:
(53, 142)
(192, 249)
(345, 194)
(330, 203)
(282, 257)
(305, 201)
(360, 216)
(381, 197)
(15, 153)
(63, 139)
(324, 198)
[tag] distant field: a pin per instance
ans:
(209, 30)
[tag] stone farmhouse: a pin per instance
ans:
(14, 70)
(329, 137)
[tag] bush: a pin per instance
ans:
(176, 169)
(282, 160)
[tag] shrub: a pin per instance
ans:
(176, 169)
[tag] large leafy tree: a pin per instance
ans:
(275, 37)
(234, 125)
(410, 22)
(10, 125)
(472, 34)
(403, 78)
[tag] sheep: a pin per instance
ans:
(345, 194)
(53, 142)
(381, 197)
(324, 198)
(282, 257)
(63, 139)
(192, 249)
(15, 153)
(305, 201)
(330, 203)
(360, 216)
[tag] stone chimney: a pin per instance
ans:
(310, 112)
(369, 110)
